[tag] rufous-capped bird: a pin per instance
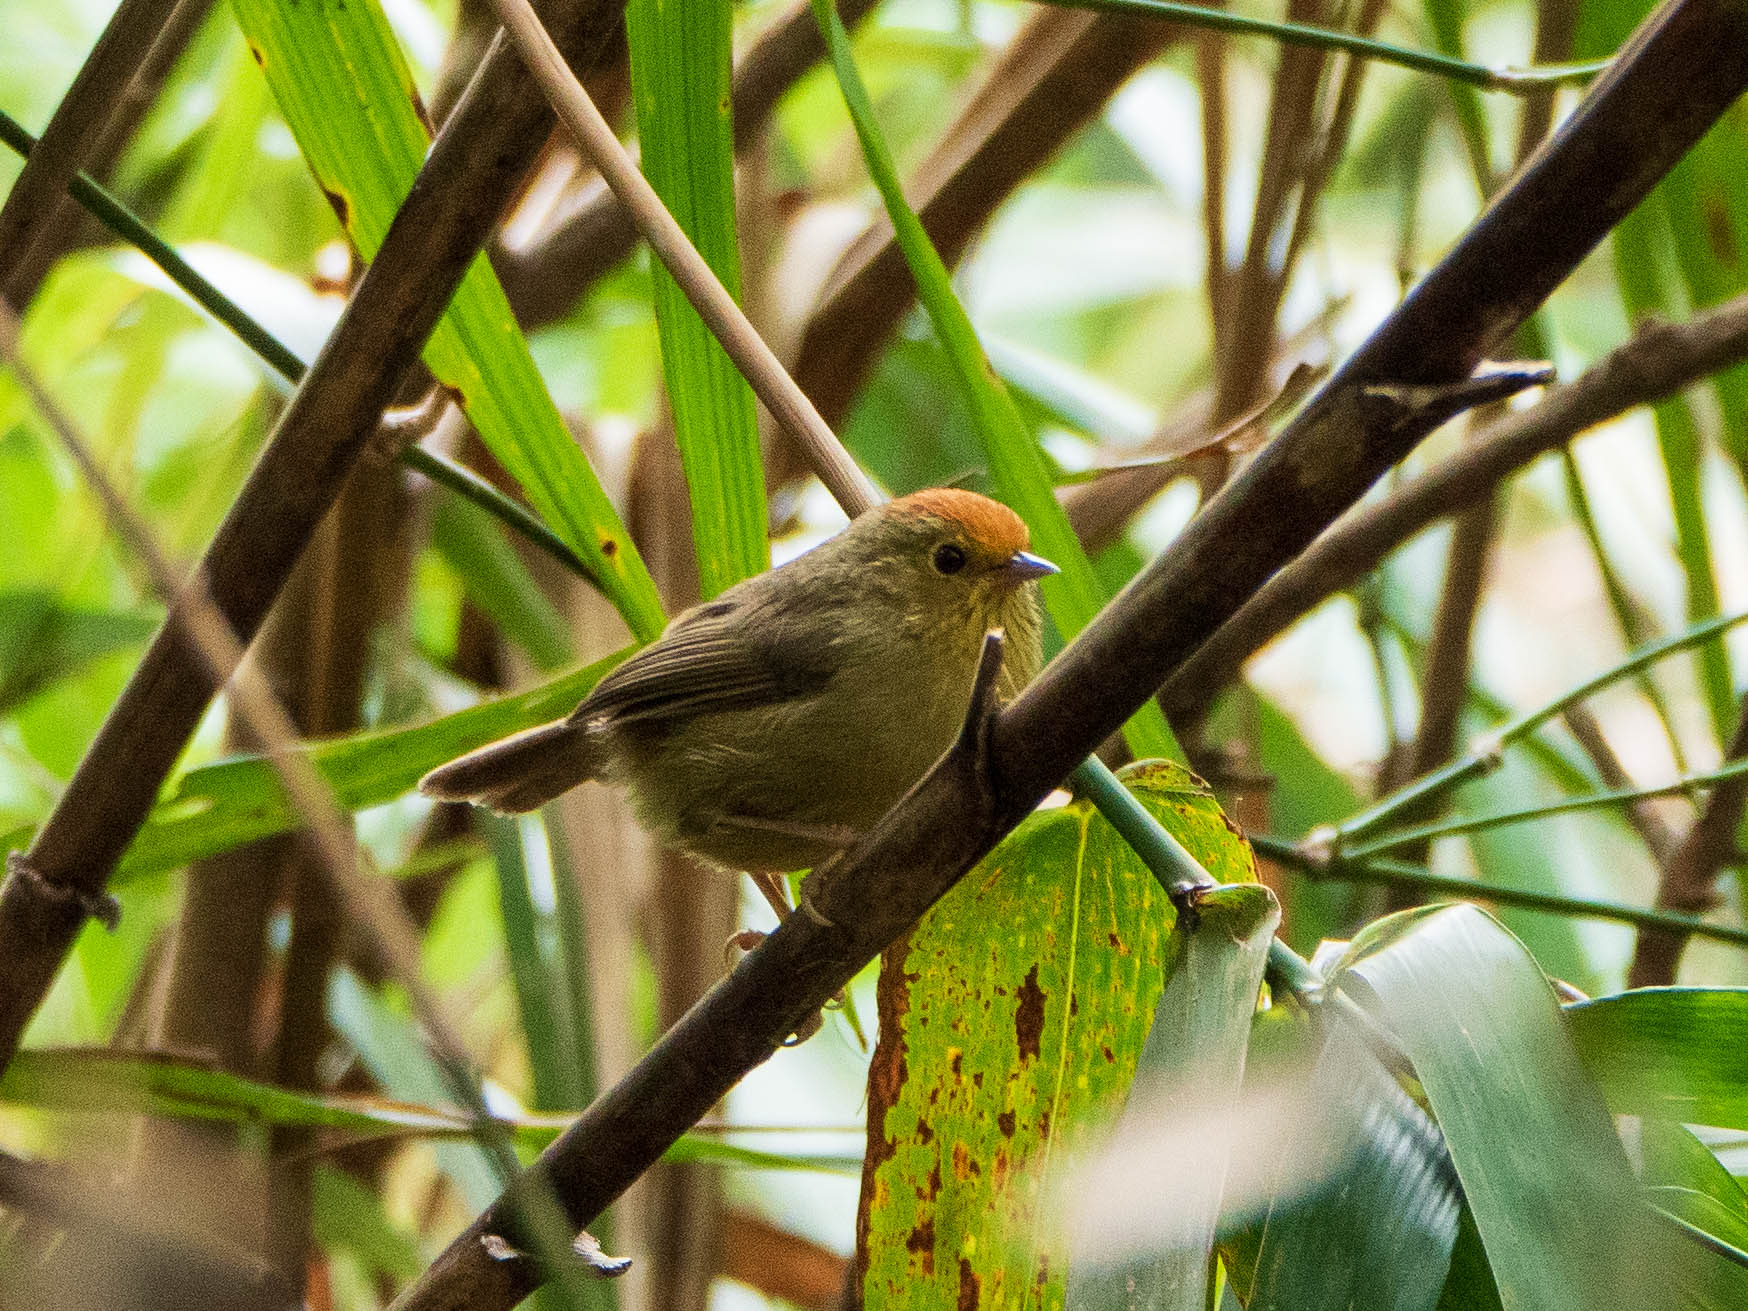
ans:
(765, 729)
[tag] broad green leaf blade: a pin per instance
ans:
(346, 93)
(224, 805)
(1023, 475)
(1011, 1023)
(1668, 1053)
(1193, 1059)
(1470, 1286)
(43, 640)
(1367, 1205)
(1672, 1157)
(680, 76)
(1553, 1197)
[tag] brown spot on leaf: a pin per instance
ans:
(924, 1134)
(1109, 1054)
(609, 547)
(934, 1182)
(955, 1060)
(961, 1162)
(970, 1286)
(921, 1242)
(1005, 1122)
(342, 206)
(1029, 1017)
(255, 51)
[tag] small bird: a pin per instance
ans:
(764, 730)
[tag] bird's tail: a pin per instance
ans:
(520, 773)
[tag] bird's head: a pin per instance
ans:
(957, 559)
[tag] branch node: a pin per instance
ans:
(100, 906)
(1440, 401)
(1488, 750)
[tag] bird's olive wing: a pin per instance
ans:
(717, 656)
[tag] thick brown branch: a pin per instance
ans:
(73, 131)
(475, 164)
(1687, 65)
(1661, 359)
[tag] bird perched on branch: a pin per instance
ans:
(765, 729)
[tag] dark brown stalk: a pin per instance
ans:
(68, 227)
(1661, 359)
(692, 911)
(545, 278)
(1689, 882)
(67, 141)
(1444, 687)
(1054, 76)
(1678, 75)
(476, 162)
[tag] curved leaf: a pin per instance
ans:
(1011, 1023)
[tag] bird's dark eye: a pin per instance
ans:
(949, 559)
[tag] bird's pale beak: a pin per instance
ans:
(1023, 566)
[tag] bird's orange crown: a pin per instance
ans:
(988, 523)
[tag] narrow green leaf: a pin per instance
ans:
(499, 583)
(345, 90)
(680, 77)
(1193, 1059)
(226, 804)
(103, 1080)
(43, 640)
(1642, 246)
(1676, 1054)
(1011, 1024)
(1023, 476)
(1553, 1197)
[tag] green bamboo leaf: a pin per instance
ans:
(345, 90)
(1011, 1023)
(1023, 475)
(226, 804)
(108, 1081)
(1366, 1207)
(345, 1215)
(43, 640)
(1553, 1197)
(1671, 1156)
(499, 582)
(1642, 246)
(1676, 1054)
(680, 76)
(1193, 1058)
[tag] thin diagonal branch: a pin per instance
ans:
(1686, 66)
(545, 277)
(473, 167)
(1661, 359)
(756, 361)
